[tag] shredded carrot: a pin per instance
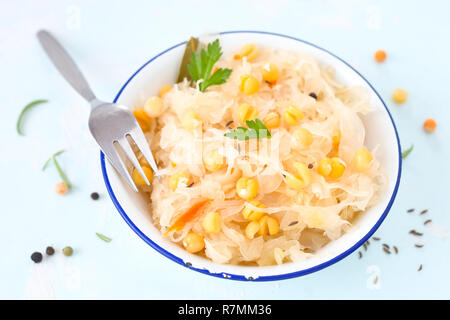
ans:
(237, 57)
(335, 143)
(189, 215)
(271, 84)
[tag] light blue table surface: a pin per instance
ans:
(110, 40)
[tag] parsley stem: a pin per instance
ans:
(24, 111)
(103, 237)
(407, 151)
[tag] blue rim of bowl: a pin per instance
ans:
(242, 277)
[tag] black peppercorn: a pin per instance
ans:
(94, 196)
(313, 95)
(310, 166)
(36, 257)
(49, 251)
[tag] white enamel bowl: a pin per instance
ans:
(380, 130)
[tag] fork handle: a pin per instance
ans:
(65, 65)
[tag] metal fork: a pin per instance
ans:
(109, 123)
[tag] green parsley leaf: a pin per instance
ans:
(103, 237)
(256, 130)
(201, 65)
(24, 111)
(407, 151)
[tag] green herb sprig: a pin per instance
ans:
(201, 65)
(103, 237)
(58, 167)
(407, 151)
(256, 130)
(24, 111)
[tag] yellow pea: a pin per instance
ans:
(292, 115)
(190, 120)
(331, 167)
(247, 188)
(213, 161)
(362, 159)
(249, 85)
(273, 225)
(137, 178)
(193, 242)
(252, 229)
(249, 50)
(270, 73)
(246, 112)
(253, 214)
(153, 106)
(272, 120)
(301, 178)
(180, 179)
(324, 167)
(164, 90)
(400, 95)
(303, 136)
(211, 222)
(338, 168)
(142, 118)
(263, 226)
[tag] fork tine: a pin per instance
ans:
(114, 158)
(125, 145)
(139, 139)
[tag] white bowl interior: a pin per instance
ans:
(379, 131)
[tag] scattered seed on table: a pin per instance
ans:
(376, 238)
(410, 210)
(61, 188)
(376, 280)
(368, 242)
(429, 125)
(360, 254)
(67, 251)
(415, 233)
(424, 211)
(420, 268)
(380, 55)
(386, 250)
(365, 247)
(49, 251)
(95, 196)
(396, 250)
(427, 221)
(418, 245)
(386, 246)
(400, 95)
(36, 257)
